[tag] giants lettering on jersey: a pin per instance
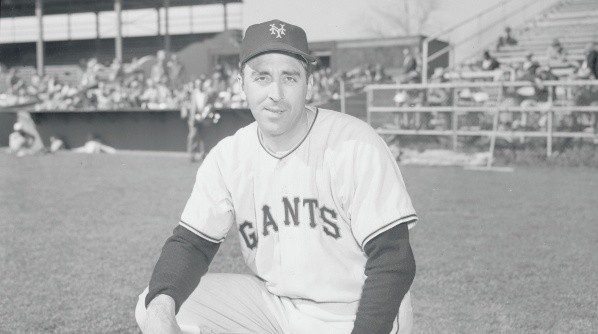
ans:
(308, 206)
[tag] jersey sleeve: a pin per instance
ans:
(209, 210)
(378, 197)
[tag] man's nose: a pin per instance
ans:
(276, 93)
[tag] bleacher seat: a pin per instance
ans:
(573, 22)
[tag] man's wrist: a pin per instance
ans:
(162, 305)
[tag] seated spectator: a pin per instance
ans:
(529, 66)
(117, 72)
(93, 146)
(556, 52)
(489, 63)
(159, 72)
(94, 71)
(20, 142)
(506, 39)
(409, 72)
(544, 73)
(176, 71)
(379, 76)
(589, 67)
(438, 96)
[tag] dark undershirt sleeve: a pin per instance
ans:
(184, 260)
(390, 270)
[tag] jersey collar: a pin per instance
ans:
(287, 153)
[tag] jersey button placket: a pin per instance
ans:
(286, 232)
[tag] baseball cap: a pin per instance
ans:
(274, 35)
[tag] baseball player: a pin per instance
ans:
(320, 206)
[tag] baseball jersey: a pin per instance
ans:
(303, 217)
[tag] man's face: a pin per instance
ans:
(276, 86)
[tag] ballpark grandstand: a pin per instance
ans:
(523, 83)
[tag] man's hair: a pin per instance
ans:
(309, 68)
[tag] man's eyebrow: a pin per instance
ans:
(292, 72)
(263, 72)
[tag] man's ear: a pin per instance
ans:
(241, 83)
(310, 87)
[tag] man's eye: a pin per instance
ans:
(291, 79)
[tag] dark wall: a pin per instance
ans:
(442, 61)
(134, 130)
(7, 119)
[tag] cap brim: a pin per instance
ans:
(280, 47)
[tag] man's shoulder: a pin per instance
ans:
(334, 121)
(341, 129)
(239, 140)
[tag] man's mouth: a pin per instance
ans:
(275, 110)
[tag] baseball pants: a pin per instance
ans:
(236, 303)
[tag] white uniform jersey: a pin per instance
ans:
(303, 218)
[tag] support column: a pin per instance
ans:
(68, 23)
(166, 30)
(40, 37)
(158, 21)
(118, 47)
(225, 15)
(190, 19)
(97, 44)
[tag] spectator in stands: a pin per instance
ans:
(134, 93)
(117, 72)
(489, 63)
(379, 75)
(13, 82)
(409, 70)
(529, 67)
(590, 64)
(556, 52)
(102, 96)
(176, 71)
(150, 94)
(159, 72)
(20, 142)
(506, 39)
(92, 73)
(436, 97)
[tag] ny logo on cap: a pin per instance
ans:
(278, 31)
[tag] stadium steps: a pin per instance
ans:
(574, 23)
(539, 48)
(568, 22)
(538, 54)
(572, 15)
(547, 40)
(539, 58)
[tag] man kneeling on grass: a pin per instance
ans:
(321, 208)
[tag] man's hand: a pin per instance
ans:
(160, 317)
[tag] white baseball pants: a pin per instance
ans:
(236, 303)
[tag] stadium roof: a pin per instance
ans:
(13, 8)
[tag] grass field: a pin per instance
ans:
(496, 252)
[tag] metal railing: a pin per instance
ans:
(498, 110)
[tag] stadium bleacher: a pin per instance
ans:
(573, 22)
